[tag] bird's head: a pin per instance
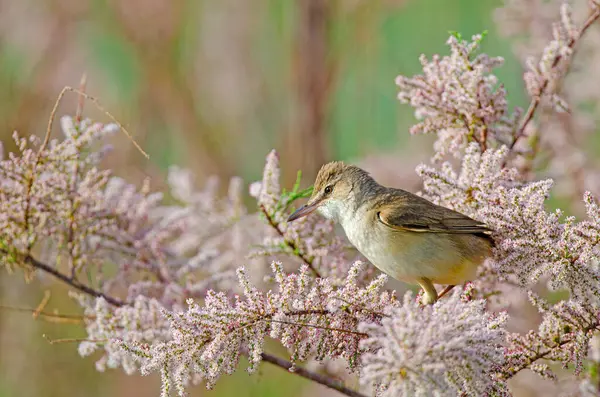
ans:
(334, 190)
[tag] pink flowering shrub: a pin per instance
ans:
(453, 347)
(186, 287)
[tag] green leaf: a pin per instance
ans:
(288, 197)
(455, 34)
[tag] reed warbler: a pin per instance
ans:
(402, 234)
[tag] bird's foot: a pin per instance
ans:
(428, 299)
(430, 296)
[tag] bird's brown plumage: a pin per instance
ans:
(405, 211)
(404, 235)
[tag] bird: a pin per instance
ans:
(404, 235)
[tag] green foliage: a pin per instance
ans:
(455, 34)
(289, 197)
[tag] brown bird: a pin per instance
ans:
(404, 235)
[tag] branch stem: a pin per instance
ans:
(292, 245)
(31, 261)
(323, 380)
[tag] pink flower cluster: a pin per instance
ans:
(449, 348)
(169, 294)
(532, 242)
(309, 316)
(458, 98)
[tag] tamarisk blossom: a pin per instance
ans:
(56, 203)
(543, 77)
(531, 242)
(446, 349)
(546, 35)
(474, 184)
(167, 297)
(39, 187)
(165, 325)
(314, 318)
(564, 336)
(108, 328)
(172, 252)
(309, 316)
(458, 98)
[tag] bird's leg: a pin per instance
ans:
(446, 290)
(430, 293)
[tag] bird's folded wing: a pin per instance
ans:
(426, 217)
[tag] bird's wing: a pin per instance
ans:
(423, 216)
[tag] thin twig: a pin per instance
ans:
(72, 340)
(31, 261)
(344, 331)
(51, 121)
(445, 291)
(42, 305)
(81, 98)
(55, 316)
(323, 380)
(98, 105)
(269, 318)
(289, 242)
(364, 309)
(535, 101)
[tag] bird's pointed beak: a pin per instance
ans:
(303, 211)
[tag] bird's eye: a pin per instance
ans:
(328, 189)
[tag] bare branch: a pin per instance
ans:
(98, 105)
(31, 261)
(323, 380)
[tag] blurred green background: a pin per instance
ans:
(214, 85)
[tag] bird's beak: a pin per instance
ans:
(304, 211)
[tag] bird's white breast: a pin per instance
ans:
(373, 242)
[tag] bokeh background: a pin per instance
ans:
(213, 85)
